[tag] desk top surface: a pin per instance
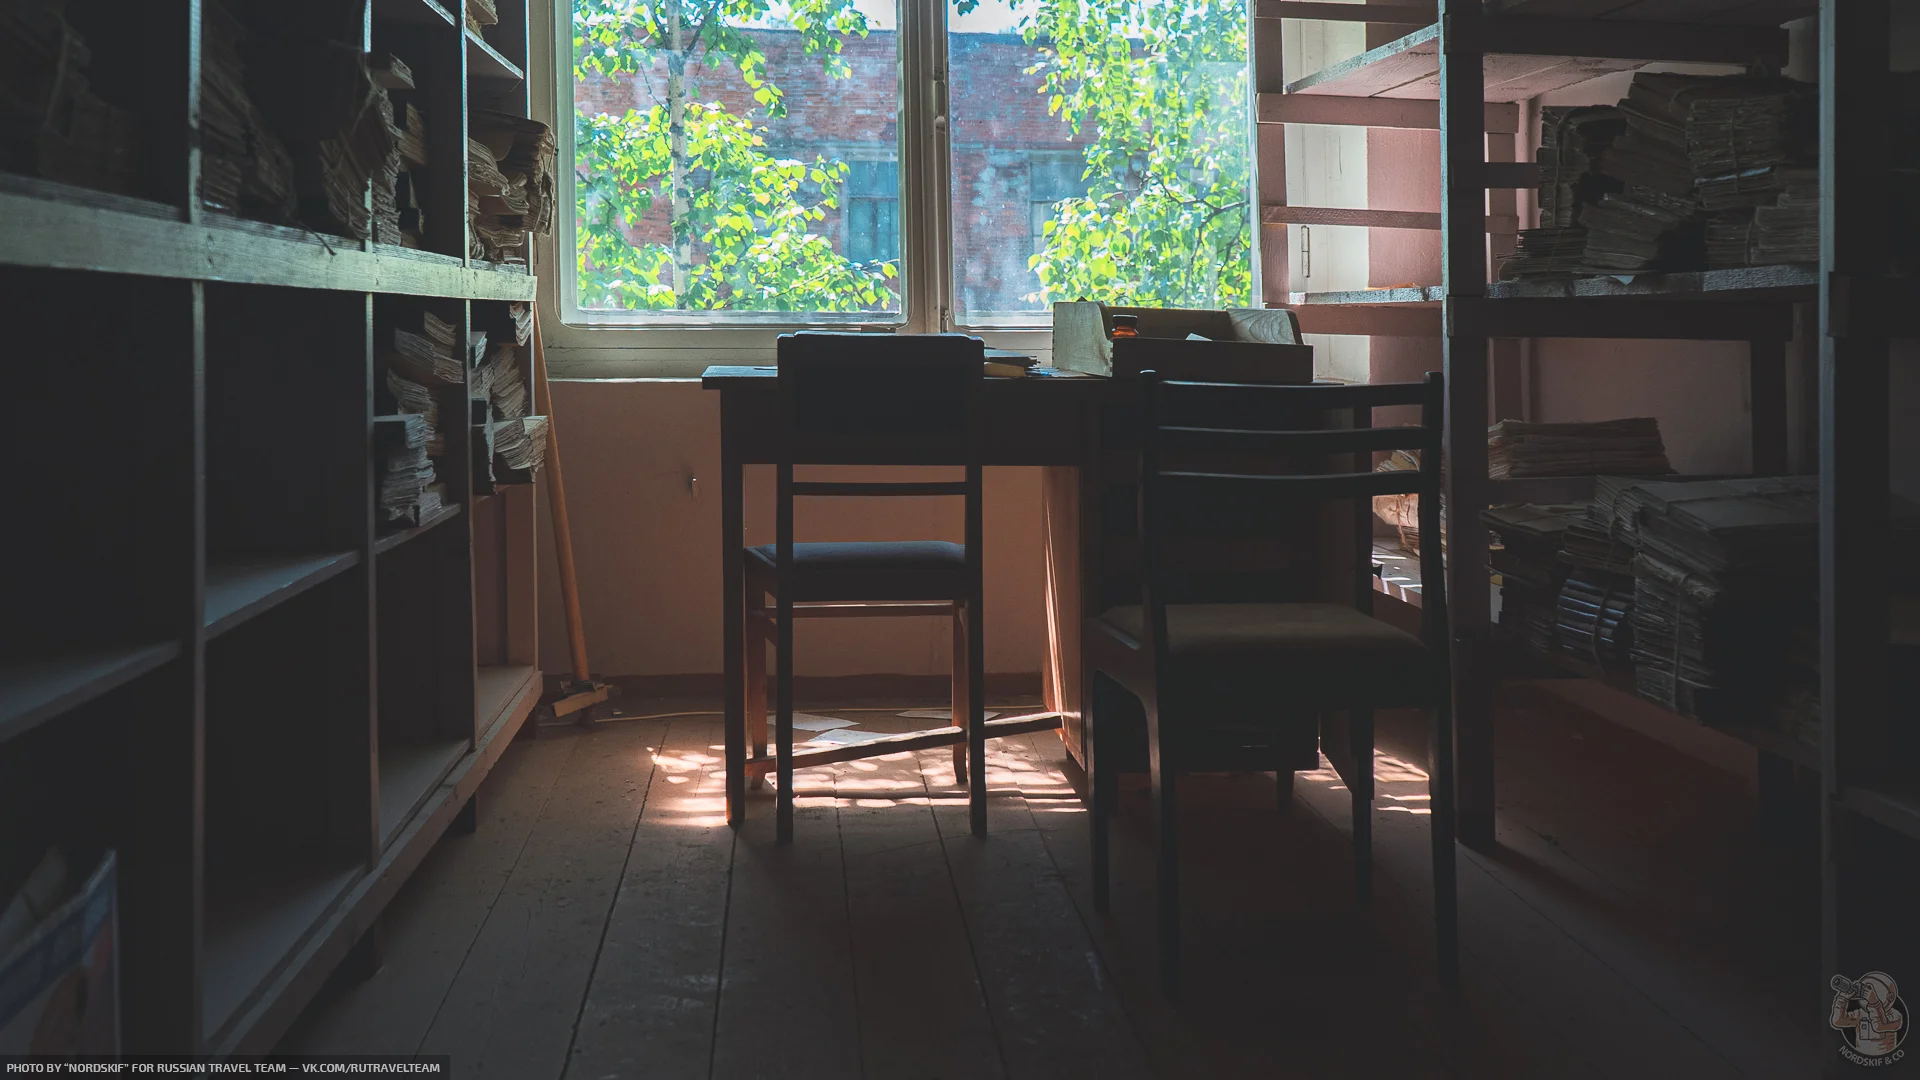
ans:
(738, 377)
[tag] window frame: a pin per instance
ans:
(606, 344)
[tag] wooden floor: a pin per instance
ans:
(603, 922)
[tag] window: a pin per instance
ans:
(743, 162)
(873, 213)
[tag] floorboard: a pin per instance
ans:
(650, 1009)
(511, 1011)
(922, 1011)
(604, 923)
(434, 920)
(788, 1006)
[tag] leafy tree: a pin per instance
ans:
(747, 211)
(1162, 84)
(1159, 85)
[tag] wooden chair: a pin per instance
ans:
(1238, 685)
(886, 399)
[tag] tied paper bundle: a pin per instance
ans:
(396, 190)
(410, 397)
(506, 388)
(427, 356)
(351, 118)
(51, 122)
(409, 485)
(1572, 142)
(1531, 573)
(522, 315)
(1629, 447)
(244, 167)
(1724, 580)
(1593, 617)
(519, 447)
(512, 178)
(481, 14)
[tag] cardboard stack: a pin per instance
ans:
(51, 122)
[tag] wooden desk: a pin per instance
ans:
(1051, 422)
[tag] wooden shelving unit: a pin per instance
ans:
(1456, 75)
(1462, 75)
(220, 663)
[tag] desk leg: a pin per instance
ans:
(1061, 513)
(734, 648)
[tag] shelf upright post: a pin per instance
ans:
(1270, 149)
(1854, 528)
(1463, 230)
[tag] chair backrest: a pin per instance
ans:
(879, 397)
(1221, 461)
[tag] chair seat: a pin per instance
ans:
(1292, 652)
(870, 570)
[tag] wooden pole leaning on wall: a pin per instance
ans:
(581, 692)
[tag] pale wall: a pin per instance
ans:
(646, 543)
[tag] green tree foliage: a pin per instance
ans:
(741, 219)
(1161, 88)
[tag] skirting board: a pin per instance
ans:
(1695, 740)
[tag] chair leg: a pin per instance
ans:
(1446, 920)
(1360, 744)
(961, 710)
(1167, 853)
(1100, 794)
(756, 668)
(976, 719)
(1283, 790)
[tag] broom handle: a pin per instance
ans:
(557, 504)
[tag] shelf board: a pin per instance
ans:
(485, 62)
(254, 1030)
(498, 689)
(52, 229)
(408, 774)
(395, 539)
(1728, 12)
(1777, 743)
(1422, 295)
(1785, 282)
(239, 589)
(1893, 804)
(424, 12)
(254, 921)
(35, 691)
(1409, 67)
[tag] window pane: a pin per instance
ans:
(1100, 152)
(735, 156)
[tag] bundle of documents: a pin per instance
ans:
(51, 122)
(1572, 142)
(411, 397)
(1593, 617)
(353, 145)
(1630, 447)
(1531, 574)
(506, 387)
(513, 183)
(481, 14)
(244, 167)
(427, 356)
(409, 485)
(519, 447)
(522, 315)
